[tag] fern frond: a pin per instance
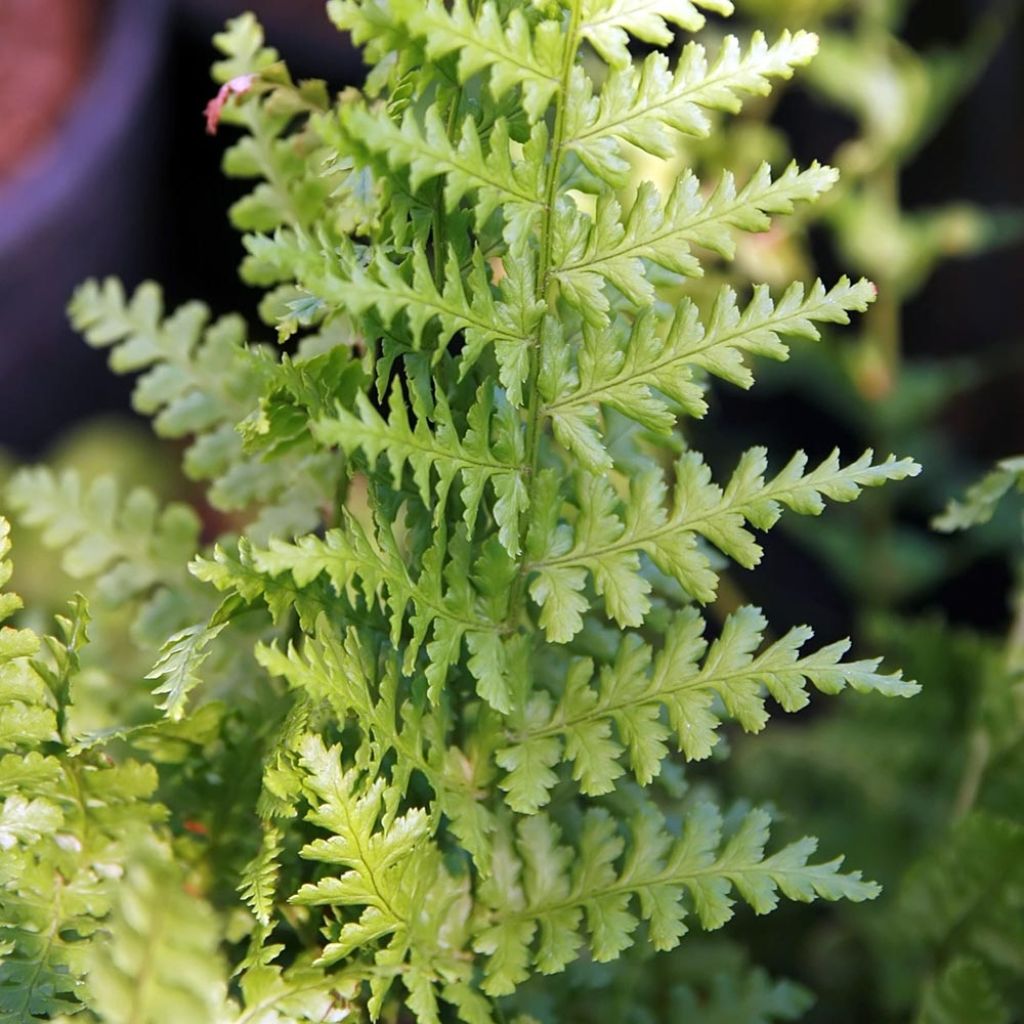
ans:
(258, 887)
(392, 873)
(129, 545)
(613, 250)
(606, 545)
(619, 713)
(637, 377)
(644, 106)
(160, 962)
(66, 821)
(474, 458)
(963, 991)
(444, 603)
(177, 668)
(608, 24)
(979, 504)
(515, 52)
(492, 174)
(548, 892)
(481, 320)
(393, 722)
(201, 380)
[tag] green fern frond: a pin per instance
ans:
(425, 150)
(450, 474)
(201, 380)
(645, 105)
(628, 710)
(640, 377)
(608, 24)
(159, 962)
(613, 250)
(441, 452)
(129, 544)
(609, 536)
(444, 602)
(66, 821)
(979, 504)
(963, 991)
(549, 892)
(394, 875)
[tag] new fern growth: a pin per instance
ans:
(481, 548)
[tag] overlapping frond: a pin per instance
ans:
(609, 536)
(553, 900)
(476, 458)
(614, 249)
(464, 306)
(66, 821)
(628, 711)
(642, 374)
(644, 105)
(394, 875)
(441, 600)
(487, 170)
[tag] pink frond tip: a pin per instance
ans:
(236, 87)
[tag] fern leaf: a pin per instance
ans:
(608, 24)
(552, 891)
(644, 106)
(201, 380)
(515, 53)
(444, 604)
(161, 962)
(636, 378)
(130, 544)
(619, 713)
(606, 545)
(979, 503)
(259, 880)
(613, 250)
(393, 875)
(492, 174)
(178, 666)
(442, 452)
(963, 991)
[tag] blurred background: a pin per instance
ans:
(105, 168)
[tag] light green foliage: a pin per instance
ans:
(482, 538)
(697, 685)
(134, 552)
(159, 962)
(67, 820)
(979, 503)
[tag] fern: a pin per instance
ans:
(599, 722)
(472, 593)
(66, 820)
(160, 961)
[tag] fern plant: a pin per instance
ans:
(479, 548)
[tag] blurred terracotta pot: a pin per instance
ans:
(74, 203)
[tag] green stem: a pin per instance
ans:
(547, 289)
